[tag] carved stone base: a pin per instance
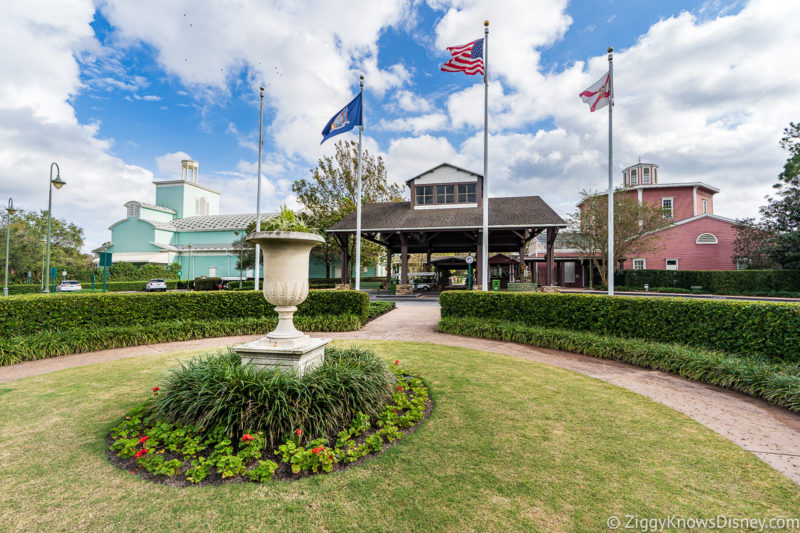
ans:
(268, 354)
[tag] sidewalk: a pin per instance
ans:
(771, 433)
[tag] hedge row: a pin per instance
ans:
(30, 314)
(737, 327)
(46, 344)
(778, 383)
(98, 285)
(716, 281)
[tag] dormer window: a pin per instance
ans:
(466, 193)
(634, 177)
(646, 176)
(133, 210)
(445, 194)
(424, 195)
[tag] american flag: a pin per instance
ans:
(467, 58)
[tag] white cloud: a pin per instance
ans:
(416, 125)
(706, 98)
(38, 125)
(407, 101)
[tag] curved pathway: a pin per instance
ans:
(771, 433)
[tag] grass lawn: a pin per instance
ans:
(511, 445)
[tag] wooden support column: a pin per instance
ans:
(428, 260)
(403, 260)
(345, 259)
(521, 263)
(551, 258)
(388, 266)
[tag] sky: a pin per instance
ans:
(118, 92)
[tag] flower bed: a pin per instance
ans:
(155, 448)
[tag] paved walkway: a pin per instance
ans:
(770, 433)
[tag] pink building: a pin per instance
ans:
(698, 239)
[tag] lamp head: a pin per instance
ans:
(11, 209)
(58, 182)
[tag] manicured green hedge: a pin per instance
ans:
(776, 382)
(28, 314)
(42, 345)
(207, 284)
(717, 281)
(111, 286)
(740, 327)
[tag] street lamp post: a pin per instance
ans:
(10, 210)
(58, 182)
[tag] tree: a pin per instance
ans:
(245, 251)
(782, 214)
(329, 195)
(635, 227)
(750, 245)
(27, 247)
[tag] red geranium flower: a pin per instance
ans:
(399, 387)
(156, 389)
(141, 452)
(397, 362)
(246, 437)
(143, 439)
(132, 472)
(317, 449)
(299, 432)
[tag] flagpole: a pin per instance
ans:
(485, 193)
(258, 193)
(610, 178)
(358, 192)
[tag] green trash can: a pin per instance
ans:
(393, 287)
(495, 284)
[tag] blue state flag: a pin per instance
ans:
(345, 120)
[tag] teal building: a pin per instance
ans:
(184, 226)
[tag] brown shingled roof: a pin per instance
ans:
(517, 211)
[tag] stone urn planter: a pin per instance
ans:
(286, 257)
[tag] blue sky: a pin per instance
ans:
(119, 92)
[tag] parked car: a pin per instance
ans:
(69, 285)
(156, 285)
(423, 284)
(223, 285)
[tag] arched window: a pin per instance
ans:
(706, 238)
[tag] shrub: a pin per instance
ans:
(717, 281)
(30, 314)
(741, 327)
(218, 391)
(54, 343)
(778, 383)
(207, 284)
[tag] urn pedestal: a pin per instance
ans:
(286, 257)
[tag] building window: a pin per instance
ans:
(133, 210)
(424, 195)
(666, 207)
(445, 194)
(705, 206)
(672, 264)
(646, 176)
(634, 177)
(212, 272)
(640, 264)
(466, 193)
(201, 206)
(706, 238)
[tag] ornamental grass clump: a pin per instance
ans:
(217, 391)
